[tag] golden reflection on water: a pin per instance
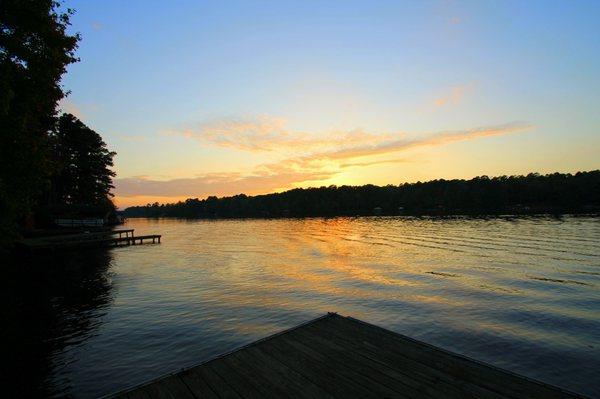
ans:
(318, 254)
(365, 259)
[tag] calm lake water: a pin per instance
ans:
(519, 293)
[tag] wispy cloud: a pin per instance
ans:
(269, 134)
(314, 164)
(453, 96)
(364, 164)
(441, 138)
(259, 134)
(272, 135)
(340, 158)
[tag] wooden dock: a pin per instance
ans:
(87, 240)
(341, 357)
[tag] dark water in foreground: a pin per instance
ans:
(522, 294)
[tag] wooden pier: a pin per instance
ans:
(86, 240)
(341, 357)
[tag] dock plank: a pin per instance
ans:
(318, 364)
(194, 381)
(217, 384)
(238, 377)
(341, 357)
(279, 377)
(138, 394)
(333, 383)
(378, 373)
(170, 387)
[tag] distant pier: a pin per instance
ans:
(342, 357)
(108, 238)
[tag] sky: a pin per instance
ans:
(204, 98)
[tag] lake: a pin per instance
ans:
(519, 293)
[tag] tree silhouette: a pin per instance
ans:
(553, 193)
(82, 165)
(34, 52)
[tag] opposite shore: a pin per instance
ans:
(555, 193)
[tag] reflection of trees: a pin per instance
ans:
(49, 304)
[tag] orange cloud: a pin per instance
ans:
(309, 167)
(441, 138)
(270, 134)
(363, 164)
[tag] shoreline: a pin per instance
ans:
(407, 216)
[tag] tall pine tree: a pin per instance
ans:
(82, 165)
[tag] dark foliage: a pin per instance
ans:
(34, 52)
(82, 165)
(533, 193)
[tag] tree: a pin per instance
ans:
(82, 161)
(34, 52)
(534, 193)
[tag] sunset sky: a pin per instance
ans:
(219, 98)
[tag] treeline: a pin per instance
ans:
(48, 163)
(534, 193)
